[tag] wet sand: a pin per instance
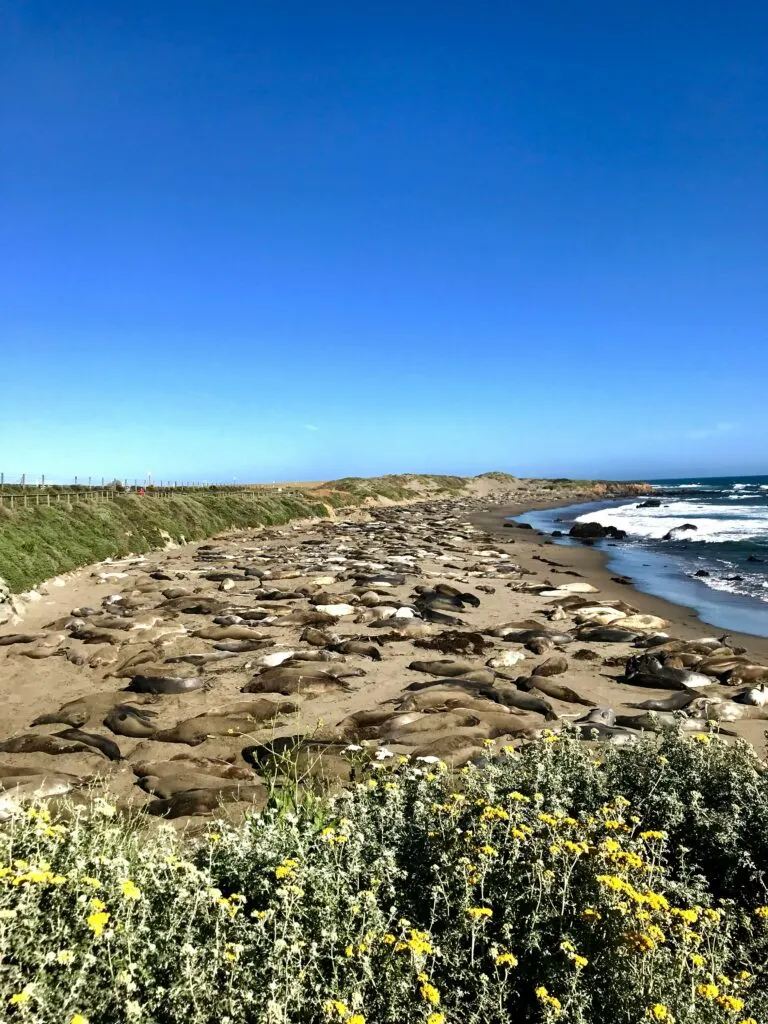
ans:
(591, 563)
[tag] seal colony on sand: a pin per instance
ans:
(191, 681)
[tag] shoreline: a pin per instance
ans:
(592, 564)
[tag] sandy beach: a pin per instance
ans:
(362, 568)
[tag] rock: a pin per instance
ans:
(557, 533)
(650, 503)
(672, 535)
(595, 531)
(701, 572)
(553, 666)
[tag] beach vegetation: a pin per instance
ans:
(559, 883)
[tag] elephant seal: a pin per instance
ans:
(206, 801)
(674, 702)
(448, 668)
(285, 746)
(194, 731)
(525, 636)
(755, 695)
(19, 638)
(597, 716)
(257, 709)
(125, 720)
(183, 782)
(220, 633)
(514, 698)
(190, 762)
(361, 647)
(606, 634)
(164, 684)
(101, 743)
(553, 666)
(308, 684)
(554, 690)
(32, 743)
(647, 670)
(600, 723)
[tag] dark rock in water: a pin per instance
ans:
(650, 503)
(754, 558)
(624, 580)
(523, 526)
(595, 531)
(672, 535)
(557, 533)
(734, 579)
(701, 572)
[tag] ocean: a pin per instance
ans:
(720, 569)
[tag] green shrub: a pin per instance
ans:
(558, 883)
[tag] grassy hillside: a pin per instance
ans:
(37, 543)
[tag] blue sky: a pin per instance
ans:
(290, 240)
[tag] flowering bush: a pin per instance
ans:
(556, 883)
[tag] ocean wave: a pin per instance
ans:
(714, 523)
(737, 587)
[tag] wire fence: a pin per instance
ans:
(40, 493)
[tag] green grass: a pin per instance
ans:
(557, 884)
(38, 543)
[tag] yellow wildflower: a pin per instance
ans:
(507, 960)
(97, 921)
(701, 737)
(658, 1012)
(761, 911)
(689, 916)
(653, 834)
(494, 813)
(436, 1018)
(476, 913)
(548, 1000)
(65, 956)
(79, 1019)
(356, 1018)
(286, 868)
(697, 959)
(388, 940)
(130, 890)
(489, 851)
(430, 993)
(336, 1006)
(591, 915)
(731, 1003)
(19, 998)
(519, 797)
(709, 991)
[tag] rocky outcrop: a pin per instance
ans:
(595, 531)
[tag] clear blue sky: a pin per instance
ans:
(271, 239)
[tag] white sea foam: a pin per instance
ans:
(714, 523)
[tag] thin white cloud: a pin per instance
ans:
(310, 426)
(714, 431)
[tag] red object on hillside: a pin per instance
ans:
(141, 492)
